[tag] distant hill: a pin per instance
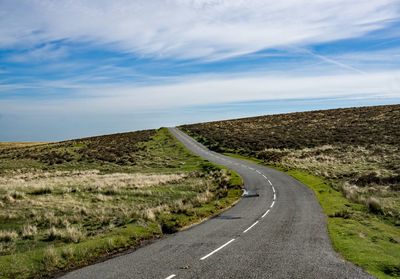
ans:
(353, 126)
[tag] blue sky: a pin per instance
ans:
(76, 68)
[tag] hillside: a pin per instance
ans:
(66, 204)
(358, 149)
(349, 157)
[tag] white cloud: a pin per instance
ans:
(207, 29)
(46, 52)
(218, 90)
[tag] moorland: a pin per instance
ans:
(68, 204)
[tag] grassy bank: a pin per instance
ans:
(65, 205)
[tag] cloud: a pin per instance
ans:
(43, 53)
(205, 29)
(207, 90)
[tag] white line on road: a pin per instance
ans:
(272, 204)
(269, 182)
(249, 228)
(265, 214)
(274, 196)
(273, 189)
(216, 250)
(171, 276)
(257, 171)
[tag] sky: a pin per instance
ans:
(70, 68)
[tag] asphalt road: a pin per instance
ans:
(281, 233)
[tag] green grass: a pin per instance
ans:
(46, 261)
(82, 209)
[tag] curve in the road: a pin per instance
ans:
(277, 231)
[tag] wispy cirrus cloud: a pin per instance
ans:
(206, 29)
(43, 53)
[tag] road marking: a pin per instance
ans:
(265, 214)
(272, 204)
(216, 250)
(274, 196)
(257, 171)
(171, 276)
(273, 189)
(249, 228)
(250, 168)
(269, 182)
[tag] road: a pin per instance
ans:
(278, 231)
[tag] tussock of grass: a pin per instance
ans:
(8, 236)
(29, 231)
(69, 234)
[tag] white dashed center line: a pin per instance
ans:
(171, 276)
(217, 156)
(249, 228)
(265, 214)
(216, 250)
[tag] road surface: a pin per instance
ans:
(278, 231)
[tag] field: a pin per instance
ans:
(355, 152)
(67, 204)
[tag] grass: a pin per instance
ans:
(57, 215)
(350, 157)
(6, 145)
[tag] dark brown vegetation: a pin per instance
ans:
(354, 126)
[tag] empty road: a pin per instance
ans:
(278, 233)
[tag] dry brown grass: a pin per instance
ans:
(69, 206)
(19, 144)
(29, 231)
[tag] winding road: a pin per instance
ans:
(278, 230)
